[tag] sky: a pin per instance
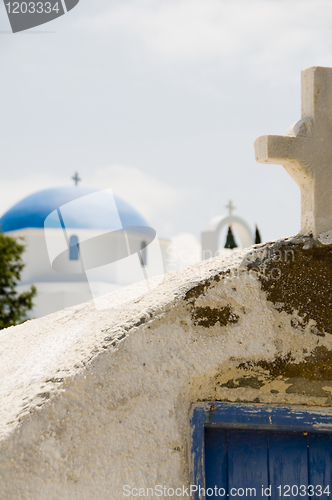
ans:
(161, 101)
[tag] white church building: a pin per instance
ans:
(81, 243)
(210, 238)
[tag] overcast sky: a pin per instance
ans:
(161, 100)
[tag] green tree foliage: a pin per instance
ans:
(13, 306)
(258, 238)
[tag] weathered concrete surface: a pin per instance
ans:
(94, 400)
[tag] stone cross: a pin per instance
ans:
(230, 207)
(76, 179)
(306, 151)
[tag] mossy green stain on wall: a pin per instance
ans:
(315, 367)
(304, 284)
(311, 377)
(207, 316)
(250, 381)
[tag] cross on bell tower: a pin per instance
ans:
(230, 207)
(76, 179)
(306, 151)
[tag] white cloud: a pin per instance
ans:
(269, 35)
(160, 203)
(183, 251)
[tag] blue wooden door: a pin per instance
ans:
(267, 464)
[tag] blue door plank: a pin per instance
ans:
(288, 464)
(297, 450)
(215, 460)
(320, 454)
(264, 417)
(247, 463)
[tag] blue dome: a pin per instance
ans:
(92, 212)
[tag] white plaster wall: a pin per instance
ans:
(54, 296)
(38, 267)
(93, 400)
(57, 290)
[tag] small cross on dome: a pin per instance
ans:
(230, 207)
(76, 179)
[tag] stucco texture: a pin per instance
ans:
(93, 399)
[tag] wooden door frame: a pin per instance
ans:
(248, 416)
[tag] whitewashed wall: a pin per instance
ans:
(93, 400)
